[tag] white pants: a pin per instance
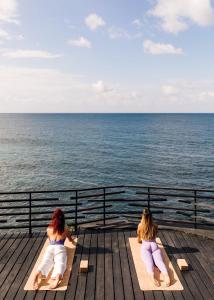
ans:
(55, 258)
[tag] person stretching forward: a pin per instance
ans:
(55, 256)
(150, 253)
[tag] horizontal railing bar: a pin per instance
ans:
(118, 213)
(166, 195)
(39, 206)
(62, 191)
(33, 213)
(176, 195)
(26, 200)
(46, 219)
(97, 195)
(127, 200)
(54, 205)
(169, 188)
(171, 208)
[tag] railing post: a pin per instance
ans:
(104, 206)
(148, 198)
(195, 208)
(76, 211)
(30, 226)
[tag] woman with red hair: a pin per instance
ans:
(55, 256)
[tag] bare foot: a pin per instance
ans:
(37, 280)
(167, 280)
(55, 282)
(155, 281)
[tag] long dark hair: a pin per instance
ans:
(58, 221)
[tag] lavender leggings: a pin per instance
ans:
(151, 255)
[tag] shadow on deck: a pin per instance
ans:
(111, 273)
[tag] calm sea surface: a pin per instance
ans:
(50, 151)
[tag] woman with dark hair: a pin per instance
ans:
(150, 252)
(55, 256)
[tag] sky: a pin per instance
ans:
(106, 56)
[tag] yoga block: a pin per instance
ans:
(84, 266)
(182, 264)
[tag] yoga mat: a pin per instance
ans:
(45, 283)
(144, 280)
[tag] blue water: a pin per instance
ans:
(51, 151)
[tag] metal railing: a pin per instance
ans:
(108, 206)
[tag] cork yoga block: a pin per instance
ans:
(182, 264)
(83, 266)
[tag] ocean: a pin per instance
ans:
(52, 151)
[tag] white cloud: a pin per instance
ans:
(118, 33)
(93, 21)
(4, 35)
(80, 42)
(51, 90)
(137, 23)
(177, 15)
(160, 48)
(8, 11)
(100, 87)
(169, 90)
(40, 90)
(28, 54)
(207, 94)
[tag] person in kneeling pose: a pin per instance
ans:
(150, 252)
(55, 256)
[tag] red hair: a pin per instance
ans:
(58, 221)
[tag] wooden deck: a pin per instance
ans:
(111, 270)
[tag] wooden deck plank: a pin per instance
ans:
(100, 274)
(127, 282)
(91, 276)
(117, 275)
(81, 285)
(109, 282)
(72, 284)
